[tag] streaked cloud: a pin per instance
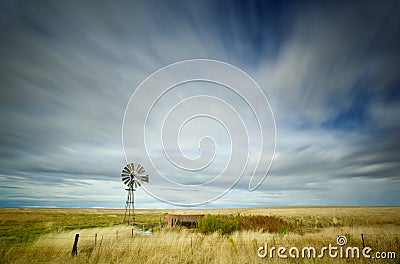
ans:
(330, 72)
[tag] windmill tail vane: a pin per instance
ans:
(145, 178)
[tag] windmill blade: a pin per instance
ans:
(126, 170)
(138, 183)
(125, 174)
(126, 181)
(127, 178)
(124, 178)
(140, 169)
(144, 178)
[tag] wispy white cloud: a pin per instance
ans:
(330, 73)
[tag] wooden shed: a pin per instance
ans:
(188, 220)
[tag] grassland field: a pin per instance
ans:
(46, 235)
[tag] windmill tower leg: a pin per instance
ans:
(126, 208)
(129, 208)
(133, 208)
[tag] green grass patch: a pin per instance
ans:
(19, 227)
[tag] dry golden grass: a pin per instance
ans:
(317, 226)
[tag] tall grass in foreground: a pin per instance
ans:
(37, 235)
(185, 246)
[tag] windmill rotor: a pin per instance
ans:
(132, 175)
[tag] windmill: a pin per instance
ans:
(132, 176)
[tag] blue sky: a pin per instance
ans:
(330, 71)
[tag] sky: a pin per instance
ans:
(76, 96)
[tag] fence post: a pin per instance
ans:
(101, 240)
(95, 241)
(74, 251)
(132, 233)
(362, 238)
(191, 245)
(116, 234)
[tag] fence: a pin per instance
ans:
(98, 239)
(93, 241)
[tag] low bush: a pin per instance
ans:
(227, 224)
(224, 225)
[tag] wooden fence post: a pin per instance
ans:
(95, 241)
(191, 245)
(362, 238)
(116, 234)
(74, 251)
